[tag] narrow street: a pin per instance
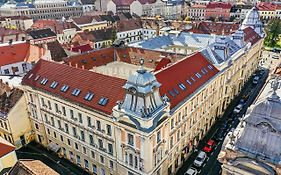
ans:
(211, 166)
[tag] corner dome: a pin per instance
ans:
(141, 78)
(252, 18)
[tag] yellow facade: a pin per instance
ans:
(16, 126)
(8, 160)
(94, 26)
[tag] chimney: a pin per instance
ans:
(83, 67)
(76, 65)
(69, 63)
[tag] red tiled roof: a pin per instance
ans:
(222, 5)
(5, 32)
(266, 6)
(126, 25)
(182, 71)
(86, 81)
(162, 63)
(14, 53)
(56, 26)
(123, 2)
(91, 59)
(5, 147)
(251, 36)
(82, 48)
(147, 1)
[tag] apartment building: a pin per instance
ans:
(16, 22)
(42, 9)
(146, 123)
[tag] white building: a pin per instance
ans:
(42, 9)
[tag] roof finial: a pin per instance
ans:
(141, 70)
(275, 85)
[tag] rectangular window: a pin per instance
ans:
(74, 131)
(89, 121)
(172, 123)
(93, 154)
(91, 138)
(110, 149)
(49, 104)
(68, 142)
(71, 113)
(59, 124)
(61, 138)
(171, 142)
(63, 111)
(108, 128)
(98, 126)
(101, 159)
(111, 164)
(56, 107)
(131, 159)
(158, 136)
(76, 146)
(80, 117)
(130, 139)
(82, 135)
(66, 127)
(86, 164)
(84, 150)
(95, 169)
(78, 160)
(100, 144)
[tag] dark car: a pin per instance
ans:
(219, 135)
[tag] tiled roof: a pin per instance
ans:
(266, 6)
(147, 1)
(5, 32)
(87, 81)
(31, 167)
(96, 35)
(41, 33)
(127, 25)
(251, 36)
(123, 2)
(164, 62)
(218, 28)
(198, 6)
(186, 69)
(10, 54)
(9, 99)
(222, 5)
(56, 50)
(81, 48)
(5, 147)
(91, 59)
(55, 25)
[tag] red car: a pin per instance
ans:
(209, 147)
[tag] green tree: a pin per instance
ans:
(113, 35)
(273, 31)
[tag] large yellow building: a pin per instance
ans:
(8, 157)
(15, 124)
(146, 123)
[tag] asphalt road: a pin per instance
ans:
(211, 166)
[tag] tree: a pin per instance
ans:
(273, 31)
(113, 35)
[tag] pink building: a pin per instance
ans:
(220, 10)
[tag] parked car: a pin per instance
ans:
(256, 80)
(238, 109)
(191, 171)
(219, 135)
(210, 145)
(200, 159)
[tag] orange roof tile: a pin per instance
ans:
(5, 147)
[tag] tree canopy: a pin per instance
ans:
(273, 32)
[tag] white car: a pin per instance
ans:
(238, 108)
(191, 171)
(256, 80)
(198, 162)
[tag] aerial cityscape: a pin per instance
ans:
(140, 87)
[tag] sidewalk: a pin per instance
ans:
(60, 165)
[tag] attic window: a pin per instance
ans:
(89, 96)
(44, 81)
(182, 86)
(188, 82)
(30, 76)
(205, 70)
(76, 92)
(176, 91)
(54, 84)
(37, 77)
(171, 93)
(210, 67)
(198, 75)
(94, 59)
(83, 61)
(64, 88)
(103, 101)
(192, 79)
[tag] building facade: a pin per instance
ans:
(146, 123)
(196, 11)
(16, 22)
(8, 157)
(219, 10)
(42, 9)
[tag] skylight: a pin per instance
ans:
(64, 88)
(192, 79)
(205, 70)
(188, 82)
(210, 67)
(176, 91)
(76, 92)
(103, 101)
(182, 86)
(89, 96)
(198, 75)
(30, 76)
(171, 93)
(44, 81)
(54, 84)
(37, 77)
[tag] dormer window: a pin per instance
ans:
(89, 96)
(103, 101)
(44, 81)
(64, 88)
(54, 84)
